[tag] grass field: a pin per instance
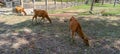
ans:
(84, 9)
(19, 36)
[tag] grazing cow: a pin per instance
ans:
(20, 9)
(41, 13)
(76, 27)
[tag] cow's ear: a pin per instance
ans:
(34, 10)
(71, 19)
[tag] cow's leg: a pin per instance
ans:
(34, 18)
(16, 12)
(49, 19)
(43, 18)
(24, 12)
(73, 33)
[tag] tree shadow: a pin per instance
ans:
(44, 38)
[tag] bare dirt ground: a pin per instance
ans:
(19, 36)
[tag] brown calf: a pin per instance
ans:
(41, 13)
(20, 9)
(76, 27)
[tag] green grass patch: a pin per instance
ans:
(104, 5)
(84, 9)
(80, 7)
(111, 13)
(69, 0)
(55, 11)
(74, 8)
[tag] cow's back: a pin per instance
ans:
(40, 13)
(19, 8)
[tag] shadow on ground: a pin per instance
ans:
(45, 38)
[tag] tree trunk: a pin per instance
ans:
(33, 4)
(61, 3)
(55, 3)
(91, 9)
(115, 2)
(102, 2)
(86, 1)
(96, 1)
(46, 4)
(110, 1)
(21, 1)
